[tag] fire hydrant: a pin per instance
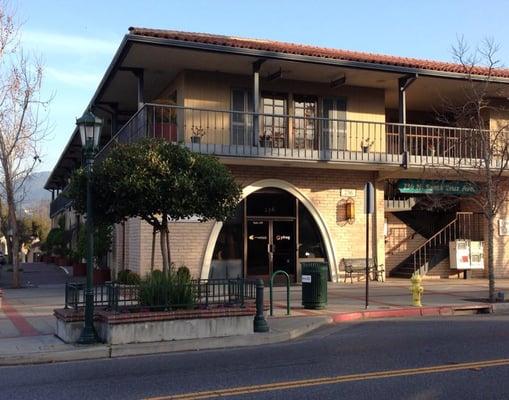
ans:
(416, 290)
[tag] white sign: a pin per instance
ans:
(503, 227)
(348, 192)
(306, 278)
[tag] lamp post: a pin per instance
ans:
(90, 129)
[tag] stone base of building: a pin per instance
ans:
(143, 327)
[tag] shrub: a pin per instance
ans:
(166, 291)
(127, 277)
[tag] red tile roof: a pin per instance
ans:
(323, 52)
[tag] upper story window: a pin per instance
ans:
(274, 122)
(242, 123)
(305, 124)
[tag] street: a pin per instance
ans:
(427, 358)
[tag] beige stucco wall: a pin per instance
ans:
(212, 91)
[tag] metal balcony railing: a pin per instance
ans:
(59, 203)
(306, 137)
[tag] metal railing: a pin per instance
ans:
(59, 203)
(231, 133)
(200, 293)
(466, 225)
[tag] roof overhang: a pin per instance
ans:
(71, 155)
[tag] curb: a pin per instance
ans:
(137, 349)
(272, 337)
(412, 312)
(77, 354)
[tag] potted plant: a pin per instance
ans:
(79, 268)
(431, 150)
(103, 238)
(266, 139)
(366, 144)
(197, 133)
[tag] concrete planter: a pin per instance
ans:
(144, 327)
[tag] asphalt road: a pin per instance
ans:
(444, 358)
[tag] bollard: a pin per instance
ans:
(259, 323)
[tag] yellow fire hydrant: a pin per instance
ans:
(416, 290)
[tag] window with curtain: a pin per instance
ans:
(274, 122)
(305, 129)
(334, 128)
(241, 123)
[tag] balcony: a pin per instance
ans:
(58, 204)
(300, 137)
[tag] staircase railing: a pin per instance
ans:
(461, 227)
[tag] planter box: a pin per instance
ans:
(143, 327)
(101, 275)
(61, 261)
(79, 269)
(166, 131)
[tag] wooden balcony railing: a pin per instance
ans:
(232, 134)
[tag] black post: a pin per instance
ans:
(367, 260)
(88, 335)
(259, 323)
(369, 208)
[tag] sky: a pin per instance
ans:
(76, 40)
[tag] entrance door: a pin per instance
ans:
(258, 246)
(283, 246)
(270, 247)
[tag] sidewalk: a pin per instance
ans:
(27, 322)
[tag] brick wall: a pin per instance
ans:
(322, 187)
(401, 240)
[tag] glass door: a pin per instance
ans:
(241, 121)
(283, 246)
(334, 128)
(258, 248)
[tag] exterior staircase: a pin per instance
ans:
(436, 248)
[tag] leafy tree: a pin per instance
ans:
(103, 238)
(158, 182)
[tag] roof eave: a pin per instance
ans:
(117, 58)
(310, 59)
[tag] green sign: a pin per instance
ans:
(421, 186)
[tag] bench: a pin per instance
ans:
(357, 266)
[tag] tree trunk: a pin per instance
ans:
(491, 271)
(16, 281)
(13, 225)
(152, 255)
(164, 244)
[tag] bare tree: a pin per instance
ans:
(22, 122)
(482, 153)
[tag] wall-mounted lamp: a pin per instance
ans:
(350, 210)
(346, 211)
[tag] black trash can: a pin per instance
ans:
(314, 285)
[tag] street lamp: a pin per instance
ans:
(90, 129)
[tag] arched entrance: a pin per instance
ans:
(275, 227)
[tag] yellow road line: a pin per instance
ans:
(332, 380)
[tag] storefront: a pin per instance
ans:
(272, 230)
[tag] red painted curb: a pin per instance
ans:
(401, 313)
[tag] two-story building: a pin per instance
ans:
(302, 129)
